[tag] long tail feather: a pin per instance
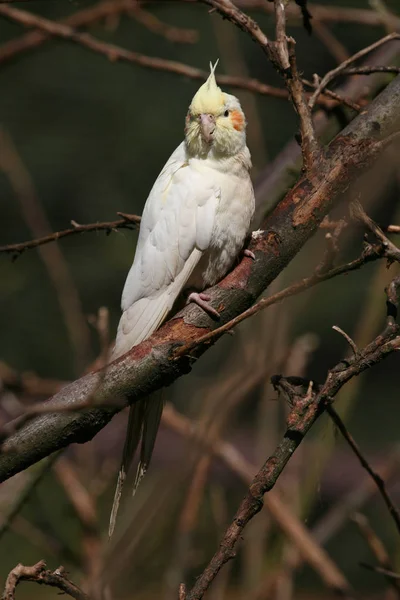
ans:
(134, 431)
(144, 421)
(154, 408)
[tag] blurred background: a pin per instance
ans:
(82, 137)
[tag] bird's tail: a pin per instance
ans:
(143, 423)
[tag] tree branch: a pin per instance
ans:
(127, 222)
(151, 365)
(305, 410)
(41, 575)
(380, 484)
(342, 67)
(47, 29)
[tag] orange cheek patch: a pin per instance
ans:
(237, 120)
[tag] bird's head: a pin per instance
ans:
(215, 121)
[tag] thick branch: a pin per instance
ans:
(150, 365)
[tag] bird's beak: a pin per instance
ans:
(207, 126)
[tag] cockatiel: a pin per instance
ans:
(194, 225)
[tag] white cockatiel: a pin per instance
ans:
(194, 225)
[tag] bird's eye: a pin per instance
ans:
(226, 113)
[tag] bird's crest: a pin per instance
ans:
(209, 98)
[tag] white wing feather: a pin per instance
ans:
(175, 230)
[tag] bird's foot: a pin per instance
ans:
(249, 253)
(202, 300)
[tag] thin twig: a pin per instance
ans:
(380, 484)
(370, 70)
(81, 18)
(381, 570)
(44, 32)
(39, 574)
(291, 526)
(333, 95)
(392, 252)
(339, 70)
(115, 53)
(282, 55)
(370, 254)
(326, 13)
(127, 222)
(377, 548)
(348, 339)
(305, 411)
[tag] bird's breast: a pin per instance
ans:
(231, 226)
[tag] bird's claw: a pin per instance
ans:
(202, 300)
(249, 253)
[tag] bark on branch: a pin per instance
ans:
(151, 364)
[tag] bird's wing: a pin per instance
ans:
(175, 230)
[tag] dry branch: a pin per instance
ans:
(289, 524)
(370, 253)
(305, 410)
(325, 13)
(48, 28)
(379, 482)
(343, 66)
(39, 574)
(127, 222)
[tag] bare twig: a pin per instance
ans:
(377, 548)
(45, 32)
(127, 222)
(333, 95)
(103, 10)
(392, 252)
(305, 411)
(290, 525)
(326, 13)
(370, 70)
(370, 253)
(348, 339)
(337, 516)
(39, 574)
(282, 55)
(339, 70)
(380, 484)
(381, 570)
(115, 53)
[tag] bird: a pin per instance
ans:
(194, 225)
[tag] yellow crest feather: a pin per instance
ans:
(209, 98)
